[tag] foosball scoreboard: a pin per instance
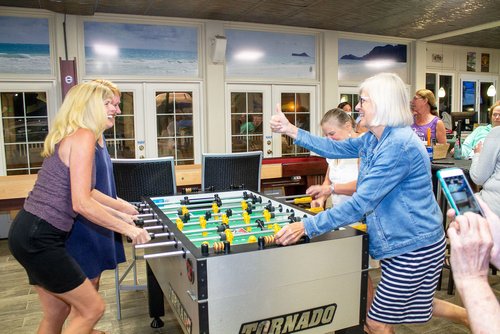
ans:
(215, 259)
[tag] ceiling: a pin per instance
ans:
(458, 22)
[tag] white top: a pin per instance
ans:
(342, 171)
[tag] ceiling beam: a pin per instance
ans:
(464, 31)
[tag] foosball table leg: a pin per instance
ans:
(155, 299)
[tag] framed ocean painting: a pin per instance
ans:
(359, 60)
(267, 54)
(140, 49)
(24, 45)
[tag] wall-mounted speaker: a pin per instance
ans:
(219, 49)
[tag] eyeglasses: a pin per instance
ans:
(417, 97)
(363, 99)
(495, 116)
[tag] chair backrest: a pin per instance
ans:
(231, 171)
(135, 178)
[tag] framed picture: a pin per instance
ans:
(261, 54)
(359, 60)
(140, 49)
(471, 62)
(485, 62)
(24, 45)
(437, 58)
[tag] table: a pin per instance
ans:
(317, 285)
(449, 161)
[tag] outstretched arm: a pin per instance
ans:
(320, 193)
(79, 149)
(281, 124)
(471, 243)
(118, 204)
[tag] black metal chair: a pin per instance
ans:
(231, 171)
(134, 179)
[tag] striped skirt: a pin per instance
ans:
(407, 286)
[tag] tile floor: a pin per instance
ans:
(20, 311)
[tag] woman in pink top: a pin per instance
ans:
(425, 116)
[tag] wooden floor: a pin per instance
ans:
(20, 311)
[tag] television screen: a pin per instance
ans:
(468, 94)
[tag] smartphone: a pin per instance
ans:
(458, 191)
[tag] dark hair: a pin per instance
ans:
(343, 104)
(338, 115)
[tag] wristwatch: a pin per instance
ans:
(332, 188)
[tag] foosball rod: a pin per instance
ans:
(297, 199)
(220, 203)
(290, 196)
(223, 207)
(157, 244)
(166, 254)
(149, 221)
(235, 235)
(273, 215)
(218, 229)
(215, 197)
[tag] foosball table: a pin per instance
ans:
(216, 262)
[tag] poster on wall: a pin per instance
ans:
(437, 58)
(140, 49)
(359, 60)
(260, 54)
(471, 62)
(24, 45)
(485, 62)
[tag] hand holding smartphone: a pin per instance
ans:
(458, 191)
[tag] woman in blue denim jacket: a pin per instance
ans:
(394, 194)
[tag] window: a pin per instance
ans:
(120, 139)
(296, 107)
(246, 121)
(174, 119)
(352, 99)
(434, 82)
(25, 126)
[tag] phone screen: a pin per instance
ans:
(461, 194)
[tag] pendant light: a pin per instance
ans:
(491, 91)
(441, 91)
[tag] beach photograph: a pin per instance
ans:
(251, 54)
(140, 49)
(359, 60)
(24, 45)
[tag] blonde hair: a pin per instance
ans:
(110, 85)
(431, 99)
(497, 104)
(390, 100)
(338, 115)
(82, 108)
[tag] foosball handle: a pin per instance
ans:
(139, 223)
(157, 323)
(261, 243)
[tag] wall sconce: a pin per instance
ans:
(491, 91)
